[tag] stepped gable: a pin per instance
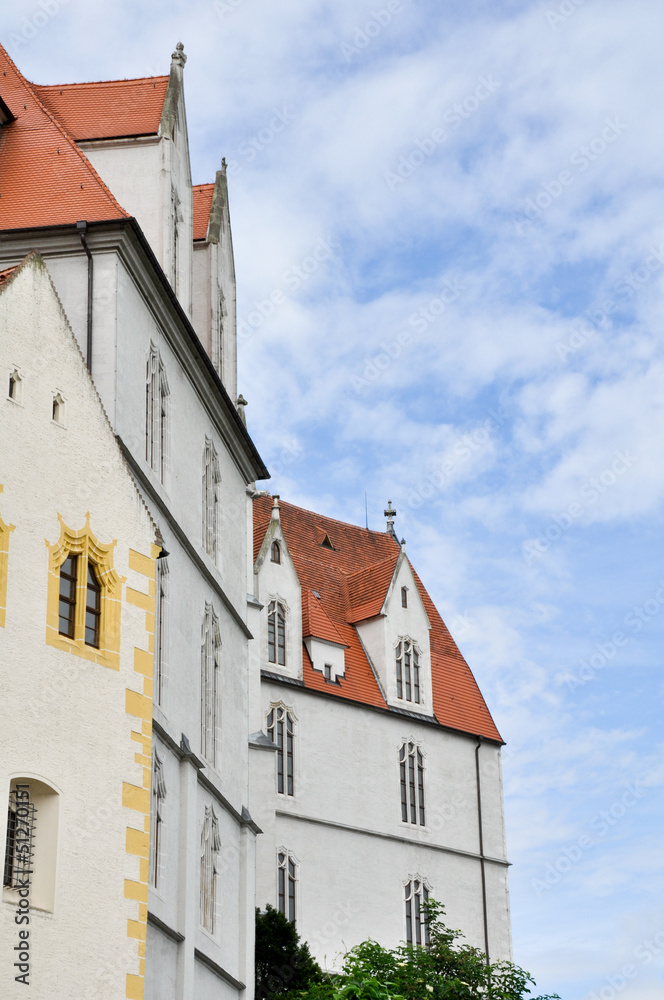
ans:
(352, 580)
(202, 194)
(45, 179)
(108, 109)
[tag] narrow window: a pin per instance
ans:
(417, 925)
(156, 413)
(210, 650)
(408, 671)
(92, 608)
(158, 794)
(14, 387)
(276, 633)
(67, 606)
(280, 730)
(210, 847)
(10, 845)
(160, 630)
(327, 671)
(411, 780)
(58, 409)
(404, 597)
(211, 480)
(287, 877)
(218, 337)
(276, 552)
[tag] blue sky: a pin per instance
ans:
(461, 204)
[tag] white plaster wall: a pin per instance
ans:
(46, 469)
(346, 772)
(279, 581)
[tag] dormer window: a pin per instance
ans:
(327, 672)
(326, 543)
(404, 597)
(275, 552)
(276, 634)
(408, 671)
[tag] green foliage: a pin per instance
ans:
(283, 964)
(444, 971)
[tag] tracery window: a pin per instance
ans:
(416, 894)
(211, 480)
(286, 883)
(276, 633)
(411, 779)
(160, 628)
(210, 653)
(408, 671)
(156, 413)
(281, 731)
(157, 796)
(210, 847)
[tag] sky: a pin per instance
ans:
(449, 241)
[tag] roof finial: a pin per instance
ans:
(241, 402)
(275, 507)
(178, 57)
(390, 514)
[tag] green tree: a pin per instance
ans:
(283, 963)
(445, 970)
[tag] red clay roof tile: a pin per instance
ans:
(202, 206)
(359, 569)
(45, 180)
(315, 622)
(108, 109)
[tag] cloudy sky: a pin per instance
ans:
(449, 242)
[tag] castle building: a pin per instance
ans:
(385, 785)
(189, 745)
(76, 653)
(96, 177)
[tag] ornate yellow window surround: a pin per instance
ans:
(89, 549)
(5, 532)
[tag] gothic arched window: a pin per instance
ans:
(210, 651)
(210, 847)
(156, 413)
(287, 879)
(276, 633)
(280, 730)
(157, 796)
(411, 775)
(275, 552)
(416, 893)
(408, 671)
(211, 480)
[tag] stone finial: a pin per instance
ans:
(403, 543)
(275, 507)
(224, 165)
(178, 57)
(241, 402)
(390, 514)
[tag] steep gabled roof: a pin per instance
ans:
(352, 580)
(109, 109)
(202, 207)
(315, 621)
(45, 180)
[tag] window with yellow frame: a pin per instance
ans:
(84, 596)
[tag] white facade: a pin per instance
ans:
(72, 716)
(141, 331)
(343, 823)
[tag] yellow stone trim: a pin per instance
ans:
(5, 532)
(139, 706)
(85, 544)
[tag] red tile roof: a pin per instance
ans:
(45, 179)
(6, 275)
(108, 109)
(315, 622)
(359, 569)
(202, 207)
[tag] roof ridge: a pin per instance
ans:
(370, 566)
(96, 83)
(207, 184)
(29, 87)
(334, 520)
